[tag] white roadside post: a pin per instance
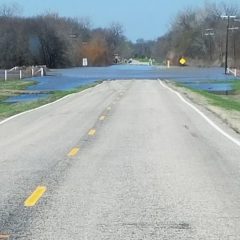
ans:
(168, 63)
(5, 75)
(32, 72)
(20, 74)
(150, 62)
(42, 72)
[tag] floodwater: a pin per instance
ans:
(26, 98)
(211, 79)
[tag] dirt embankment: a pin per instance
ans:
(230, 117)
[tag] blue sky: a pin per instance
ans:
(146, 19)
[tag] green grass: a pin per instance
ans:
(228, 102)
(7, 88)
(15, 84)
(10, 109)
(236, 86)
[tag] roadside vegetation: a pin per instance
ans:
(56, 41)
(198, 34)
(227, 102)
(12, 87)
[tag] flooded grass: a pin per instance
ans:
(10, 109)
(15, 85)
(231, 101)
(11, 87)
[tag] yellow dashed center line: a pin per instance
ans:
(35, 196)
(102, 118)
(73, 152)
(92, 132)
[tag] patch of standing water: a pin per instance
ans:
(211, 87)
(67, 79)
(26, 98)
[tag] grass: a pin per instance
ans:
(236, 86)
(10, 109)
(228, 102)
(15, 84)
(7, 88)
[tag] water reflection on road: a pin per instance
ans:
(66, 79)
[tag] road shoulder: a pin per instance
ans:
(229, 117)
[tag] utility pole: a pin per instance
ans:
(209, 32)
(234, 43)
(226, 52)
(227, 34)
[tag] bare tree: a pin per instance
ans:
(10, 10)
(187, 37)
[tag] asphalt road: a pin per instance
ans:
(123, 160)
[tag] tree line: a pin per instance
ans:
(198, 34)
(56, 41)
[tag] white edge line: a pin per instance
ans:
(46, 105)
(209, 121)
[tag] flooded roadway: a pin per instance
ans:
(211, 79)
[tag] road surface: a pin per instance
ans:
(123, 160)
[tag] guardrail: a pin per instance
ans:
(22, 72)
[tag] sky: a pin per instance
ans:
(147, 19)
